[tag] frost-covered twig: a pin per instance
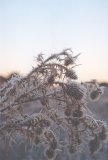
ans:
(63, 102)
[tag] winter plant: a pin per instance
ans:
(53, 85)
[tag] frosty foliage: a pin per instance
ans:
(53, 80)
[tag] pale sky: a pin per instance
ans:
(28, 27)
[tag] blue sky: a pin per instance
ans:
(28, 27)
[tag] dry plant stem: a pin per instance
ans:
(63, 105)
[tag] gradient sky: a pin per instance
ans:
(28, 27)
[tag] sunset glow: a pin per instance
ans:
(28, 27)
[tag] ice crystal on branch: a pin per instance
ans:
(63, 104)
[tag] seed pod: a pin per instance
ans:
(50, 79)
(75, 122)
(41, 123)
(103, 134)
(71, 74)
(68, 60)
(77, 113)
(44, 123)
(47, 123)
(75, 91)
(50, 153)
(94, 95)
(71, 149)
(94, 144)
(67, 111)
(42, 70)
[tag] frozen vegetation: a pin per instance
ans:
(48, 114)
